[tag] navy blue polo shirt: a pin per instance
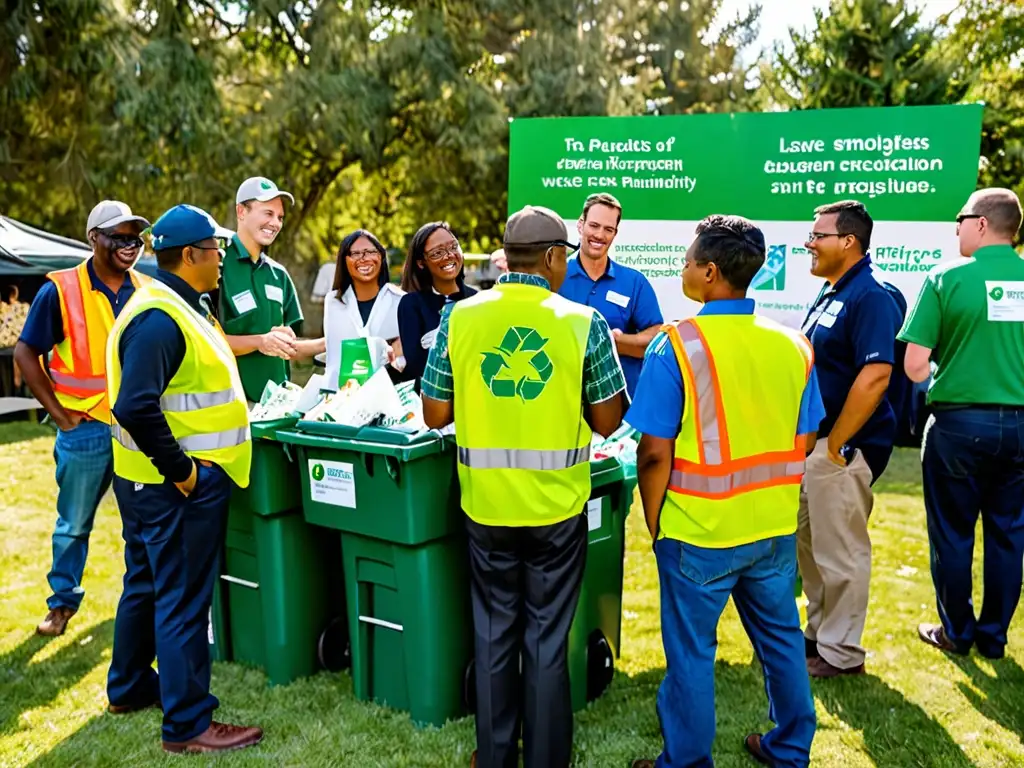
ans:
(44, 326)
(853, 324)
(624, 297)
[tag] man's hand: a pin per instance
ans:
(287, 330)
(188, 485)
(276, 343)
(70, 420)
(835, 456)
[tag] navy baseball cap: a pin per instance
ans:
(186, 225)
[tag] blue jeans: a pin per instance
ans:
(695, 586)
(973, 462)
(172, 557)
(85, 465)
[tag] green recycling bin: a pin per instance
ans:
(595, 634)
(395, 501)
(278, 598)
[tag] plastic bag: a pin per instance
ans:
(276, 402)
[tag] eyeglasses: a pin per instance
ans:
(119, 242)
(453, 248)
(570, 247)
(965, 216)
(813, 237)
(364, 255)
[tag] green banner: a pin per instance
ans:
(904, 163)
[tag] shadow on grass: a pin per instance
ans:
(998, 696)
(17, 431)
(26, 687)
(895, 731)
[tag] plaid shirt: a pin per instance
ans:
(602, 372)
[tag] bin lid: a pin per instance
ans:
(376, 440)
(267, 430)
(606, 472)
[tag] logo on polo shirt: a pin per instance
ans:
(519, 366)
(772, 276)
(996, 293)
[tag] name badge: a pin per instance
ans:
(617, 298)
(244, 302)
(274, 293)
(1005, 299)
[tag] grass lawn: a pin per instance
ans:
(916, 707)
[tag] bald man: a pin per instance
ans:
(969, 323)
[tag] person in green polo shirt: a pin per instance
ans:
(259, 307)
(969, 322)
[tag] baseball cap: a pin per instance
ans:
(110, 213)
(536, 226)
(185, 225)
(260, 189)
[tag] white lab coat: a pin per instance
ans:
(342, 321)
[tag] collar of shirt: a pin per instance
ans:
(99, 285)
(996, 251)
(183, 289)
(521, 278)
(242, 254)
(728, 307)
(575, 269)
(862, 266)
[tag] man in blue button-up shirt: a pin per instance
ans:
(621, 294)
(853, 327)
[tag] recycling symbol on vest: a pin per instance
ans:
(518, 367)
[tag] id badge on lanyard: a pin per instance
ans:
(817, 310)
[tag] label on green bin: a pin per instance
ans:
(332, 482)
(594, 514)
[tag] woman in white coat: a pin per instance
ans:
(363, 303)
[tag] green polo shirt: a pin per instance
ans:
(971, 315)
(256, 296)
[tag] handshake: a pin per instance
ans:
(279, 341)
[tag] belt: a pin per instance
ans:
(974, 407)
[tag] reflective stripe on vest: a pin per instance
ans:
(507, 458)
(210, 441)
(94, 384)
(716, 475)
(194, 401)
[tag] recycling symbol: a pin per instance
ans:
(318, 472)
(996, 293)
(518, 367)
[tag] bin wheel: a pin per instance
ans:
(333, 649)
(469, 687)
(600, 666)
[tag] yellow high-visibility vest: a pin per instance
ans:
(517, 354)
(78, 364)
(204, 403)
(738, 458)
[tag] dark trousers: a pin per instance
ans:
(525, 586)
(172, 552)
(973, 462)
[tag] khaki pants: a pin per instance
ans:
(834, 554)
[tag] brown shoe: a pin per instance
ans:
(472, 760)
(823, 670)
(643, 763)
(56, 622)
(936, 636)
(753, 745)
(219, 737)
(124, 709)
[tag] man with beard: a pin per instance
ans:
(259, 307)
(72, 315)
(621, 294)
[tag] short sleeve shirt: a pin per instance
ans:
(624, 297)
(971, 315)
(602, 374)
(657, 409)
(254, 297)
(854, 323)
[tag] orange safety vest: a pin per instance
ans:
(738, 460)
(78, 366)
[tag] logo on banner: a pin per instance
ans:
(772, 276)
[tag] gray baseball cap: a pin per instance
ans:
(536, 226)
(109, 214)
(260, 189)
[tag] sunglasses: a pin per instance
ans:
(119, 242)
